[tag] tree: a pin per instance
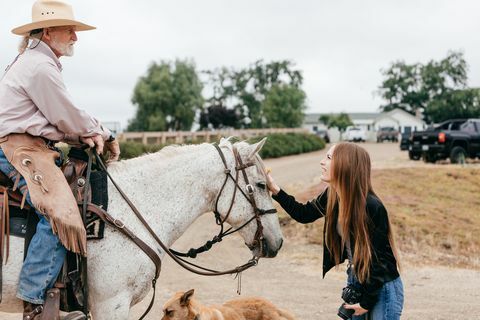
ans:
(284, 106)
(429, 88)
(167, 98)
(246, 91)
(251, 86)
(219, 111)
(444, 76)
(402, 88)
(218, 116)
(455, 104)
(340, 121)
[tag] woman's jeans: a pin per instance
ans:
(390, 300)
(45, 254)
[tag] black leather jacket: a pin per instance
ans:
(384, 265)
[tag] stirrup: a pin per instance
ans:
(75, 315)
(51, 308)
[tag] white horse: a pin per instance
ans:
(171, 188)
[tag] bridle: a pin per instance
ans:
(248, 194)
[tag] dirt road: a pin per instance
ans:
(293, 279)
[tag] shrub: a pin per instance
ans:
(134, 149)
(277, 145)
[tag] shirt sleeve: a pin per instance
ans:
(372, 287)
(47, 90)
(303, 213)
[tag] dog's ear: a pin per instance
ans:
(185, 299)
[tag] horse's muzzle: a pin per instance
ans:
(262, 249)
(268, 251)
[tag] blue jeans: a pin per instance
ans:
(45, 254)
(390, 300)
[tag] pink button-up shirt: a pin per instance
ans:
(34, 100)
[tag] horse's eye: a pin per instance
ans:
(169, 313)
(261, 185)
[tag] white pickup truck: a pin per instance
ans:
(355, 134)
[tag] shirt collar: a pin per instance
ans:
(46, 50)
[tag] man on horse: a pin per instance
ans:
(36, 111)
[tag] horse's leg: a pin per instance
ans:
(117, 307)
(114, 280)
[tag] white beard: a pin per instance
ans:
(65, 49)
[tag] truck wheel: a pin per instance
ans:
(429, 158)
(457, 155)
(413, 156)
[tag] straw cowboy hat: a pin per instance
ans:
(51, 13)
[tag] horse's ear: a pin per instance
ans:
(185, 299)
(223, 141)
(255, 148)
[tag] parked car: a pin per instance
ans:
(454, 139)
(324, 135)
(355, 134)
(405, 141)
(387, 133)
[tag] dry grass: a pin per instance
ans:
(435, 212)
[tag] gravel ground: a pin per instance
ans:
(293, 279)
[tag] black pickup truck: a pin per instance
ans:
(455, 139)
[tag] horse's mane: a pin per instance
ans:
(168, 153)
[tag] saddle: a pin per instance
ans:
(19, 219)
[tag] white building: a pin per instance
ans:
(370, 122)
(401, 120)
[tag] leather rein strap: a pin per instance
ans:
(84, 260)
(119, 225)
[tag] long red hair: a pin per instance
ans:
(350, 184)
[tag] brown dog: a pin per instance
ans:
(182, 306)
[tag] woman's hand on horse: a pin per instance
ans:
(272, 186)
(94, 142)
(114, 148)
(358, 309)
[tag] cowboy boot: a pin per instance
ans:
(31, 311)
(34, 312)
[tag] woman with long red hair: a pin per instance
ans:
(356, 229)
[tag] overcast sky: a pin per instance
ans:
(340, 46)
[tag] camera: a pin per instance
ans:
(350, 295)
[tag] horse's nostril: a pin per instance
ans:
(281, 244)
